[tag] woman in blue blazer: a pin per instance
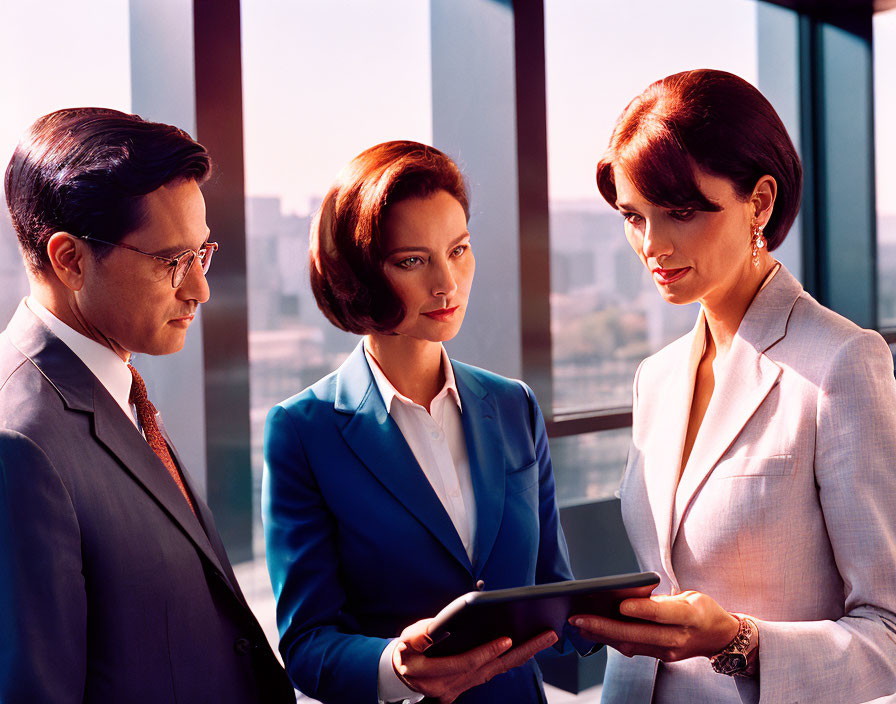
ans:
(403, 479)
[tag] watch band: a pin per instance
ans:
(734, 658)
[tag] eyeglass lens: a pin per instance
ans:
(184, 264)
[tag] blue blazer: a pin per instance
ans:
(359, 546)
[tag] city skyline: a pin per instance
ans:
(302, 125)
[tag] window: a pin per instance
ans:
(884, 29)
(606, 315)
(321, 83)
(43, 73)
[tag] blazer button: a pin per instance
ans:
(241, 646)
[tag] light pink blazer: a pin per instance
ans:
(786, 510)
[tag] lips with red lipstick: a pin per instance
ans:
(441, 314)
(666, 276)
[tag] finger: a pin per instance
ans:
(420, 642)
(612, 631)
(413, 632)
(525, 651)
(454, 665)
(514, 658)
(511, 659)
(660, 609)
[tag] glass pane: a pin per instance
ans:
(606, 314)
(589, 467)
(884, 28)
(55, 55)
(322, 81)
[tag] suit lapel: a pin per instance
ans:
(376, 439)
(124, 441)
(486, 455)
(665, 437)
(82, 392)
(746, 380)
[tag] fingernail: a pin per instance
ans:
(403, 669)
(506, 643)
(577, 622)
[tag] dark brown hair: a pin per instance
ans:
(711, 120)
(346, 257)
(85, 171)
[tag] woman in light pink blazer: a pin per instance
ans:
(761, 480)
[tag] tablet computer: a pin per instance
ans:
(522, 613)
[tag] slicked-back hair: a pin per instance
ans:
(346, 250)
(711, 120)
(85, 171)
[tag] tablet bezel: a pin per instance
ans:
(523, 612)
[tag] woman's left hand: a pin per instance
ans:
(670, 628)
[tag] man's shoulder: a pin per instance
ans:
(28, 399)
(11, 360)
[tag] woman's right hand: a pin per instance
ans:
(445, 678)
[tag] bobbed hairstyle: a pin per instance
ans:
(712, 120)
(346, 249)
(85, 171)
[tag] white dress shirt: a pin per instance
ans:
(437, 440)
(108, 367)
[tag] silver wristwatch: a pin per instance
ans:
(734, 658)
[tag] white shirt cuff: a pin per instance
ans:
(389, 688)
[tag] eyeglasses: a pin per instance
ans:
(180, 264)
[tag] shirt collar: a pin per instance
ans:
(108, 367)
(390, 393)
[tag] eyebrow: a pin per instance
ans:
(400, 250)
(172, 251)
(624, 206)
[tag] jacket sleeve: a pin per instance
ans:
(325, 656)
(553, 557)
(854, 471)
(43, 610)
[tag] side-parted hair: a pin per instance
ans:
(712, 120)
(346, 256)
(85, 171)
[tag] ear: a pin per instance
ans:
(762, 201)
(67, 256)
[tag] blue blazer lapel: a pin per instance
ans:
(378, 442)
(485, 449)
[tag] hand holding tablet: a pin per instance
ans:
(525, 612)
(444, 678)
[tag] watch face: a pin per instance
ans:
(730, 663)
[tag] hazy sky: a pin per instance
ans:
(601, 54)
(323, 79)
(56, 54)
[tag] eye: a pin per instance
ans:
(459, 250)
(682, 215)
(632, 218)
(410, 262)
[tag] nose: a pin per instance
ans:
(195, 285)
(443, 282)
(655, 244)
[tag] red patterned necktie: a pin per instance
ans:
(146, 413)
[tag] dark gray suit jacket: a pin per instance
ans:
(111, 590)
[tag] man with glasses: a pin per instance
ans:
(114, 583)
